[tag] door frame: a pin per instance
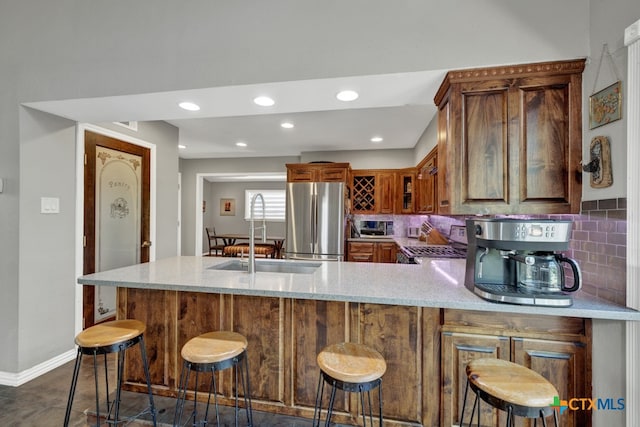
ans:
(79, 231)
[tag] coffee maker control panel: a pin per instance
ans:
(504, 233)
(534, 231)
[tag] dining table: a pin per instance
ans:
(231, 239)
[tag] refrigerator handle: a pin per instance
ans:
(314, 223)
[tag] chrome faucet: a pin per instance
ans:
(252, 230)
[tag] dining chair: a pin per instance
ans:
(213, 241)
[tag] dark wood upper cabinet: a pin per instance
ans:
(510, 139)
(427, 200)
(373, 191)
(317, 172)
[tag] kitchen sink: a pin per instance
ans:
(294, 267)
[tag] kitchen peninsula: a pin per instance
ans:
(415, 315)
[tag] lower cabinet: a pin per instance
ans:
(384, 252)
(426, 351)
(458, 349)
(562, 357)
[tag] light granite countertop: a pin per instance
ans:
(435, 283)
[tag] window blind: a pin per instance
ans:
(274, 202)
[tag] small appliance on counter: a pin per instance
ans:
(375, 228)
(413, 232)
(517, 261)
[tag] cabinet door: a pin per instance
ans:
(458, 349)
(405, 192)
(564, 365)
(445, 154)
(333, 174)
(386, 192)
(301, 175)
(427, 185)
(549, 143)
(386, 252)
(484, 144)
(157, 310)
(361, 252)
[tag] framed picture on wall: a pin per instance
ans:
(605, 106)
(227, 207)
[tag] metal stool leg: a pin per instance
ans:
(235, 370)
(331, 400)
(370, 408)
(212, 384)
(464, 404)
(119, 384)
(182, 395)
(364, 415)
(145, 363)
(544, 421)
(380, 400)
(72, 391)
(95, 378)
(106, 383)
(246, 387)
(194, 414)
(317, 409)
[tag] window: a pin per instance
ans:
(274, 202)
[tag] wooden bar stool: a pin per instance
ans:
(212, 352)
(511, 388)
(104, 338)
(351, 367)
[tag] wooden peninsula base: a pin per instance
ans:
(426, 350)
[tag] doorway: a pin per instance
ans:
(116, 216)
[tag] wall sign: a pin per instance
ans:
(605, 106)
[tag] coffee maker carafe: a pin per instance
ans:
(543, 272)
(518, 261)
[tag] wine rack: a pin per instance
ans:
(364, 193)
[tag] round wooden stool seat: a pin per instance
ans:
(511, 383)
(212, 352)
(110, 333)
(351, 367)
(111, 337)
(214, 347)
(352, 362)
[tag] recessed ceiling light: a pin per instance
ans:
(189, 106)
(287, 125)
(241, 144)
(376, 139)
(347, 95)
(182, 147)
(264, 101)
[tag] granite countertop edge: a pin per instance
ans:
(436, 284)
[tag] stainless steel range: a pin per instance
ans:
(434, 251)
(456, 249)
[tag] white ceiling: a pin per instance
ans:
(396, 107)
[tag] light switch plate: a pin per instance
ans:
(1, 184)
(49, 205)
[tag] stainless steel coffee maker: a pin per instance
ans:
(518, 261)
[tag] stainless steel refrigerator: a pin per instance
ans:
(315, 221)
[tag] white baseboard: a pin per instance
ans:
(17, 379)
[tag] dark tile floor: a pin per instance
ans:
(42, 403)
